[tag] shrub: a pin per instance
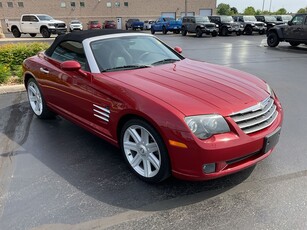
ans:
(12, 56)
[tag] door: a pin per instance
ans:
(295, 30)
(119, 23)
(29, 24)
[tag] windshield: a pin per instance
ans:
(226, 19)
(270, 18)
(249, 18)
(75, 22)
(201, 19)
(132, 52)
(45, 17)
(286, 17)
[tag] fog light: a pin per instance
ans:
(209, 168)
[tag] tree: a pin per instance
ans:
(234, 10)
(223, 9)
(281, 11)
(249, 11)
(302, 10)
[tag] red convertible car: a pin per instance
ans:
(168, 114)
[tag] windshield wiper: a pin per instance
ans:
(126, 67)
(164, 61)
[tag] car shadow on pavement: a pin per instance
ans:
(97, 168)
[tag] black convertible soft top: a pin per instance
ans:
(79, 36)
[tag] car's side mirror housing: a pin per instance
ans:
(290, 23)
(178, 49)
(70, 66)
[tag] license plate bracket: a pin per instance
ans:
(271, 140)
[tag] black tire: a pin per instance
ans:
(199, 33)
(164, 31)
(157, 162)
(184, 31)
(152, 30)
(126, 27)
(32, 35)
(294, 43)
(45, 32)
(141, 28)
(177, 31)
(37, 101)
(261, 32)
(16, 32)
(272, 39)
(248, 30)
(238, 33)
(224, 31)
(214, 34)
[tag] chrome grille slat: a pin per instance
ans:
(257, 117)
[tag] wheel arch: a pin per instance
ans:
(42, 27)
(14, 27)
(26, 77)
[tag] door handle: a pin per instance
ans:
(44, 70)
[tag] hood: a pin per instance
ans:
(54, 21)
(194, 87)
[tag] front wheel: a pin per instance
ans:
(238, 33)
(272, 40)
(45, 32)
(249, 30)
(144, 151)
(294, 43)
(184, 31)
(199, 33)
(224, 31)
(214, 34)
(37, 101)
(152, 30)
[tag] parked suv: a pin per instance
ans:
(93, 25)
(269, 20)
(250, 24)
(198, 25)
(227, 25)
(295, 32)
(134, 23)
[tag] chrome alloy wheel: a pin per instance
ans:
(35, 98)
(142, 151)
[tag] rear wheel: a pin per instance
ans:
(144, 151)
(199, 33)
(249, 30)
(45, 32)
(16, 32)
(164, 31)
(214, 34)
(152, 30)
(272, 40)
(224, 31)
(294, 43)
(184, 31)
(32, 35)
(37, 101)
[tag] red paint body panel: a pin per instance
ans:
(163, 95)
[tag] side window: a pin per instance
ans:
(70, 50)
(33, 19)
(298, 20)
(26, 18)
(306, 20)
(193, 20)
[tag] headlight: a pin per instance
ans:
(265, 25)
(202, 26)
(51, 24)
(217, 25)
(252, 24)
(270, 90)
(228, 26)
(204, 126)
(241, 26)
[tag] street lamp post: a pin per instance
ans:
(263, 5)
(185, 7)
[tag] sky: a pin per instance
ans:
(290, 5)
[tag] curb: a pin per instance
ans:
(12, 89)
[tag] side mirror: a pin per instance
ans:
(178, 49)
(290, 23)
(70, 66)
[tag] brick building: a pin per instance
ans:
(118, 10)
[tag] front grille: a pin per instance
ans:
(209, 26)
(59, 25)
(235, 26)
(257, 117)
(259, 24)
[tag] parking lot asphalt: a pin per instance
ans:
(55, 175)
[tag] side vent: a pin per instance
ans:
(101, 113)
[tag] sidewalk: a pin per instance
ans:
(11, 88)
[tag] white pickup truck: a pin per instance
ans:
(34, 24)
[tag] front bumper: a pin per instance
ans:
(259, 28)
(210, 30)
(58, 31)
(228, 152)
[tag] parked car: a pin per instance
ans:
(227, 25)
(75, 25)
(269, 20)
(295, 32)
(250, 24)
(109, 24)
(134, 23)
(147, 24)
(199, 25)
(283, 18)
(34, 24)
(94, 25)
(165, 24)
(169, 115)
